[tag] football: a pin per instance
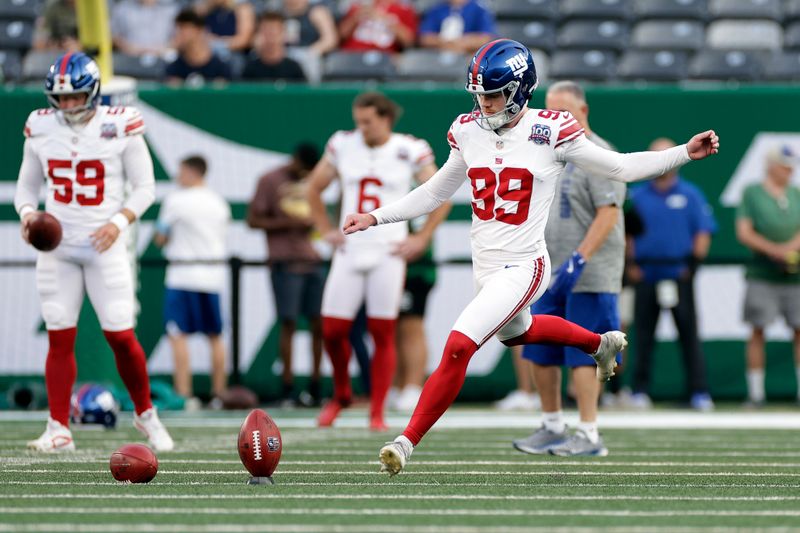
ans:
(134, 463)
(44, 232)
(259, 444)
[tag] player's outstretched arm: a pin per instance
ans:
(638, 165)
(358, 222)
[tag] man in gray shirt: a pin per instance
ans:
(585, 235)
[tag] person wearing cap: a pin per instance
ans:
(768, 222)
(677, 226)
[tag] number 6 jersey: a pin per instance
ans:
(371, 177)
(85, 167)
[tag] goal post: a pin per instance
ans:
(94, 32)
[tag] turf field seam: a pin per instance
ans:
(383, 481)
(525, 460)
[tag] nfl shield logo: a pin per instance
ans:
(540, 134)
(108, 131)
(273, 444)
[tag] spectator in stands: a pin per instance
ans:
(230, 23)
(279, 207)
(308, 26)
(196, 61)
(141, 27)
(271, 62)
(768, 222)
(57, 27)
(460, 26)
(677, 226)
(384, 25)
(192, 227)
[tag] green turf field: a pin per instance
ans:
(459, 480)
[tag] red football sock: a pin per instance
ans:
(442, 387)
(60, 371)
(383, 363)
(547, 329)
(335, 333)
(132, 367)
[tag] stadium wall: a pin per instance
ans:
(247, 130)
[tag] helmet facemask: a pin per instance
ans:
(501, 118)
(77, 114)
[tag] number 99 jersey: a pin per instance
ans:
(371, 177)
(84, 166)
(513, 179)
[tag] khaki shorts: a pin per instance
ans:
(764, 302)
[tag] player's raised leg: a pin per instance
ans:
(110, 287)
(60, 286)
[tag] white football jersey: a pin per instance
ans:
(83, 165)
(513, 179)
(371, 177)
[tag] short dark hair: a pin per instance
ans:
(271, 16)
(190, 16)
(196, 163)
(307, 154)
(384, 106)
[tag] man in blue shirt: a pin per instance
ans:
(460, 26)
(678, 224)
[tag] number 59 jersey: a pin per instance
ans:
(513, 178)
(371, 177)
(84, 166)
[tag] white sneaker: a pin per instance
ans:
(392, 397)
(611, 342)
(395, 455)
(408, 398)
(518, 400)
(55, 439)
(152, 428)
(640, 401)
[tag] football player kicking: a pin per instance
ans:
(85, 151)
(375, 167)
(512, 157)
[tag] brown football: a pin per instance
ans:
(44, 231)
(260, 444)
(134, 463)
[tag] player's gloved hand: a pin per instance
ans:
(412, 247)
(103, 238)
(358, 222)
(567, 275)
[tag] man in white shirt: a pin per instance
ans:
(192, 227)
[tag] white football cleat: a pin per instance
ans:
(152, 428)
(611, 343)
(394, 455)
(55, 439)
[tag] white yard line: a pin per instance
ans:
(314, 511)
(401, 485)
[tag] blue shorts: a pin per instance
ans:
(192, 312)
(595, 311)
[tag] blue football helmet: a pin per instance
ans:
(94, 404)
(74, 73)
(502, 66)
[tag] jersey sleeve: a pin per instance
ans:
(134, 122)
(569, 128)
(36, 124)
(421, 154)
(30, 179)
(334, 146)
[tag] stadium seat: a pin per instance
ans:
(782, 66)
(16, 34)
(744, 35)
(432, 65)
(725, 65)
(671, 9)
(537, 34)
(791, 37)
(652, 65)
(605, 9)
(370, 65)
(673, 35)
(10, 65)
(582, 65)
(746, 9)
(37, 63)
(147, 67)
(542, 62)
(600, 34)
(791, 11)
(19, 9)
(525, 9)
